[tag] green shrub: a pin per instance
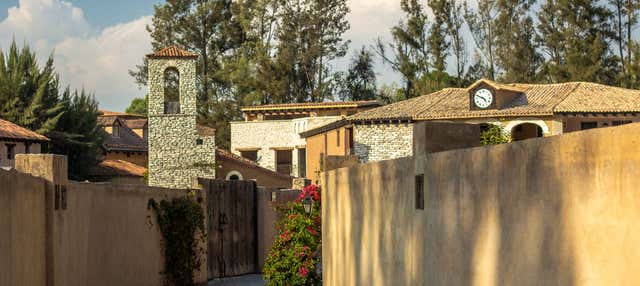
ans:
(295, 254)
(494, 135)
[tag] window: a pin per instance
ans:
(588, 125)
(27, 148)
(251, 155)
(302, 162)
(116, 130)
(10, 151)
(284, 161)
(171, 91)
(338, 137)
(419, 185)
(349, 135)
(620, 122)
(145, 134)
(199, 141)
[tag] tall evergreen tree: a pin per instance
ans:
(409, 48)
(575, 35)
(360, 80)
(481, 22)
(439, 43)
(77, 135)
(515, 48)
(455, 22)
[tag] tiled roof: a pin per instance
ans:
(205, 131)
(535, 100)
(127, 140)
(172, 52)
(136, 123)
(114, 168)
(13, 131)
(313, 105)
(225, 154)
(120, 114)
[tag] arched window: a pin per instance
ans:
(171, 91)
(233, 176)
(525, 131)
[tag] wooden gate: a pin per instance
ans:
(232, 227)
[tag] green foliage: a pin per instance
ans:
(181, 222)
(296, 251)
(138, 106)
(493, 135)
(30, 96)
(360, 81)
(77, 134)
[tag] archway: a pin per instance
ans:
(171, 91)
(526, 131)
(233, 176)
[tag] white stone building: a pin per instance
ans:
(269, 135)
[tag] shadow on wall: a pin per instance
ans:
(552, 211)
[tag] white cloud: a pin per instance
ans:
(85, 58)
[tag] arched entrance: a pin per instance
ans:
(526, 131)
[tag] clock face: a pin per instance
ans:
(483, 98)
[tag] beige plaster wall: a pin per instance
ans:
(561, 210)
(19, 148)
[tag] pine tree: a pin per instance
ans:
(439, 43)
(575, 36)
(515, 48)
(409, 48)
(455, 22)
(360, 80)
(481, 23)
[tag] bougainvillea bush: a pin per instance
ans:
(295, 254)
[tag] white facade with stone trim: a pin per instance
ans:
(176, 159)
(376, 142)
(268, 135)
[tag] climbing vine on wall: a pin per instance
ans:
(181, 221)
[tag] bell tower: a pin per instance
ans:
(179, 151)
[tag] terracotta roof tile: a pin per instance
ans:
(136, 123)
(13, 131)
(172, 52)
(313, 105)
(534, 100)
(114, 168)
(205, 131)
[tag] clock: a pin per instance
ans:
(483, 98)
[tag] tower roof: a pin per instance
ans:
(172, 52)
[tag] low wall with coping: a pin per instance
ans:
(561, 210)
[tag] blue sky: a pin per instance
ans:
(96, 42)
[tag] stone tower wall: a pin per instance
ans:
(176, 159)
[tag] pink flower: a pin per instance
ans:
(303, 272)
(312, 230)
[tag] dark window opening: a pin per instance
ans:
(234, 178)
(116, 131)
(10, 151)
(27, 148)
(251, 155)
(349, 138)
(284, 161)
(171, 91)
(620, 122)
(588, 125)
(338, 137)
(199, 141)
(302, 162)
(419, 191)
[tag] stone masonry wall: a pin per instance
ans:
(378, 142)
(175, 158)
(269, 134)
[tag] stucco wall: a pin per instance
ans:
(268, 134)
(140, 159)
(105, 236)
(316, 146)
(560, 210)
(377, 142)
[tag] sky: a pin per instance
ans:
(96, 42)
